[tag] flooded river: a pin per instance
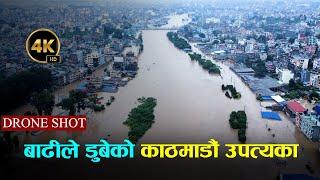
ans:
(191, 106)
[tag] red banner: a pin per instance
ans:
(43, 123)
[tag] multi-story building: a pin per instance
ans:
(118, 63)
(312, 40)
(310, 126)
(92, 59)
(285, 75)
(316, 63)
(270, 66)
(300, 61)
(295, 110)
(305, 77)
(315, 79)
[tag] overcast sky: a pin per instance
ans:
(47, 2)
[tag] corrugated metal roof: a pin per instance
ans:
(296, 107)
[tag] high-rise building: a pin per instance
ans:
(305, 77)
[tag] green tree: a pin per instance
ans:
(117, 34)
(69, 105)
(43, 102)
(74, 103)
(260, 69)
(238, 120)
(314, 96)
(242, 135)
(79, 98)
(202, 35)
(16, 89)
(140, 118)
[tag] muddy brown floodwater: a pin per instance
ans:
(191, 108)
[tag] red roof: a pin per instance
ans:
(296, 107)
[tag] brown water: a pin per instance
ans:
(191, 106)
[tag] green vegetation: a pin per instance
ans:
(206, 64)
(294, 94)
(178, 42)
(314, 96)
(109, 29)
(140, 118)
(238, 120)
(118, 34)
(78, 100)
(297, 90)
(43, 102)
(74, 103)
(195, 56)
(16, 89)
(234, 93)
(293, 86)
(242, 135)
(258, 66)
(98, 107)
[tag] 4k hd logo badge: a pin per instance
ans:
(43, 46)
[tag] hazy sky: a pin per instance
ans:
(47, 2)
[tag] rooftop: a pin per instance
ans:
(296, 107)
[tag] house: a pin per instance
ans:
(310, 126)
(295, 110)
(118, 63)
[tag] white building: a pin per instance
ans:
(300, 61)
(285, 75)
(316, 63)
(312, 40)
(315, 80)
(249, 48)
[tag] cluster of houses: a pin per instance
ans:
(307, 122)
(120, 69)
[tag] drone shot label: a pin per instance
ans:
(44, 123)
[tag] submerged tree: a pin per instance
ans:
(43, 102)
(74, 103)
(79, 98)
(68, 104)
